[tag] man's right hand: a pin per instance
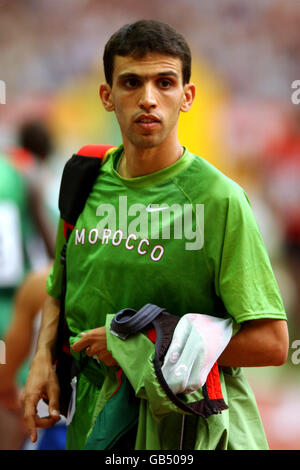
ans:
(41, 383)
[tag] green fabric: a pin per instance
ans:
(229, 276)
(14, 188)
(118, 416)
(12, 191)
(86, 398)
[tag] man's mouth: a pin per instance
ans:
(147, 118)
(147, 121)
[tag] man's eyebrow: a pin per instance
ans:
(166, 73)
(128, 75)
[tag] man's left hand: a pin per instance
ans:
(94, 343)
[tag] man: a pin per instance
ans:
(227, 274)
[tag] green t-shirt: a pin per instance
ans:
(183, 238)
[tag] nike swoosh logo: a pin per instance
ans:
(155, 209)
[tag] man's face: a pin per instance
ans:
(147, 96)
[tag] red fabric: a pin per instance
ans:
(21, 159)
(151, 333)
(94, 150)
(66, 226)
(213, 383)
(66, 349)
(119, 384)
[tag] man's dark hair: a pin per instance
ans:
(143, 37)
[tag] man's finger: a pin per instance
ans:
(81, 344)
(46, 421)
(30, 414)
(53, 394)
(107, 358)
(31, 426)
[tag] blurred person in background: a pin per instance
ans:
(27, 235)
(27, 232)
(20, 340)
(281, 166)
(31, 157)
(15, 231)
(14, 262)
(147, 68)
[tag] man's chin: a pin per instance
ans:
(146, 141)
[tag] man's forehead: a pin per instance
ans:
(148, 65)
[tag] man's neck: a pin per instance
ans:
(144, 161)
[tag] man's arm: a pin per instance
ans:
(258, 343)
(42, 379)
(263, 342)
(28, 302)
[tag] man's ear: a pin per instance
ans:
(106, 97)
(188, 97)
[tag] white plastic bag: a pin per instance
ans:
(198, 341)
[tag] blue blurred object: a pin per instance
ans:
(53, 438)
(49, 439)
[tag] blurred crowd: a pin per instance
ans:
(254, 46)
(49, 51)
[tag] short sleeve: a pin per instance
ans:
(54, 280)
(246, 282)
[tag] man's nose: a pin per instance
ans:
(147, 99)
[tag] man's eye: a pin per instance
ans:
(165, 83)
(131, 83)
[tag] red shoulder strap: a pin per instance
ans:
(95, 150)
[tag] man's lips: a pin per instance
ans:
(147, 121)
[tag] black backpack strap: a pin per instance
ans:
(78, 178)
(127, 321)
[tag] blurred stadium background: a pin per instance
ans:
(245, 59)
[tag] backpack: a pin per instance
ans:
(78, 178)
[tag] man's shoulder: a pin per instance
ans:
(211, 181)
